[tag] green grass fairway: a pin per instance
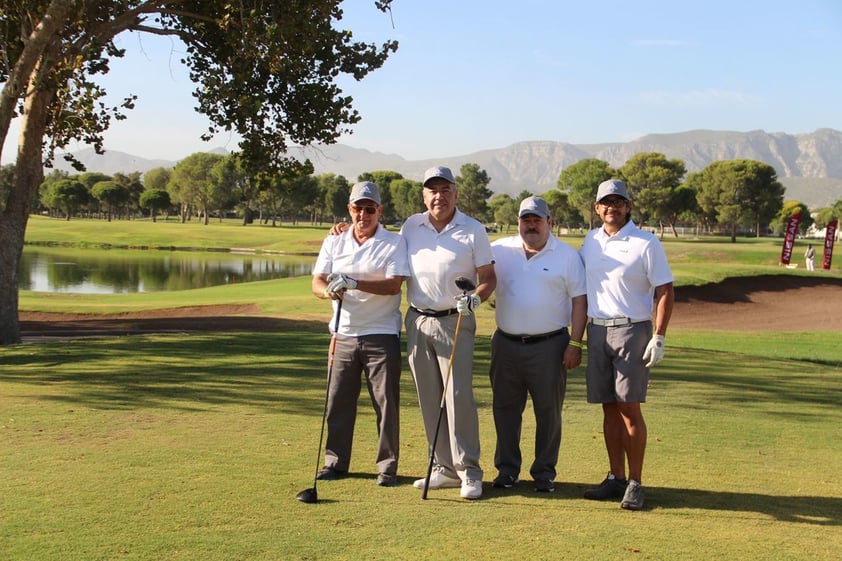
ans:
(185, 447)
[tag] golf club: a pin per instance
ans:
(465, 285)
(311, 495)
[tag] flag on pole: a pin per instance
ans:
(789, 238)
(829, 237)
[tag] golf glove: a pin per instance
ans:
(467, 303)
(654, 351)
(336, 283)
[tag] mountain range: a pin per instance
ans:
(809, 165)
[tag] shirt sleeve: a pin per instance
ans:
(398, 265)
(657, 267)
(324, 262)
(483, 254)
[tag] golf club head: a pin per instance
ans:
(465, 285)
(308, 496)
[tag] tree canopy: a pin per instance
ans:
(581, 180)
(739, 193)
(652, 180)
(473, 192)
(266, 71)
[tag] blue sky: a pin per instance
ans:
(473, 75)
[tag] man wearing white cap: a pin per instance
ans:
(629, 281)
(364, 267)
(443, 245)
(540, 295)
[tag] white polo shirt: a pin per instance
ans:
(437, 259)
(379, 257)
(533, 296)
(622, 272)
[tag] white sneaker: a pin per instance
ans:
(471, 489)
(438, 480)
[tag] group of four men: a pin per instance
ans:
(546, 295)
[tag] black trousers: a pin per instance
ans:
(535, 370)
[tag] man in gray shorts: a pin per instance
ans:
(627, 276)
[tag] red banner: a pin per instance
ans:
(829, 237)
(789, 238)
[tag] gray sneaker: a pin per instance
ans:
(608, 489)
(387, 480)
(634, 497)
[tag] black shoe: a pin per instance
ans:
(608, 489)
(544, 485)
(387, 480)
(329, 473)
(504, 481)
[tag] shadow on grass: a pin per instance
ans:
(821, 511)
(284, 369)
(739, 380)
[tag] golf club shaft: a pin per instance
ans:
(327, 389)
(441, 408)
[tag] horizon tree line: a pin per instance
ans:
(728, 196)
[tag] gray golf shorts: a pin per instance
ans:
(616, 370)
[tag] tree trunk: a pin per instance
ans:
(29, 174)
(12, 227)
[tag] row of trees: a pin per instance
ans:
(726, 196)
(206, 184)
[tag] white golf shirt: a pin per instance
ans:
(622, 272)
(437, 259)
(533, 296)
(379, 257)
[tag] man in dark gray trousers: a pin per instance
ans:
(541, 313)
(364, 267)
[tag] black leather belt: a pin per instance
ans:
(435, 313)
(529, 339)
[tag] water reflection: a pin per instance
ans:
(113, 271)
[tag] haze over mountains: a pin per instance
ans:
(809, 165)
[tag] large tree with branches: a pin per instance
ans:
(263, 69)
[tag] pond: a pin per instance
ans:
(115, 271)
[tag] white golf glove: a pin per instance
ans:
(467, 303)
(654, 351)
(336, 283)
